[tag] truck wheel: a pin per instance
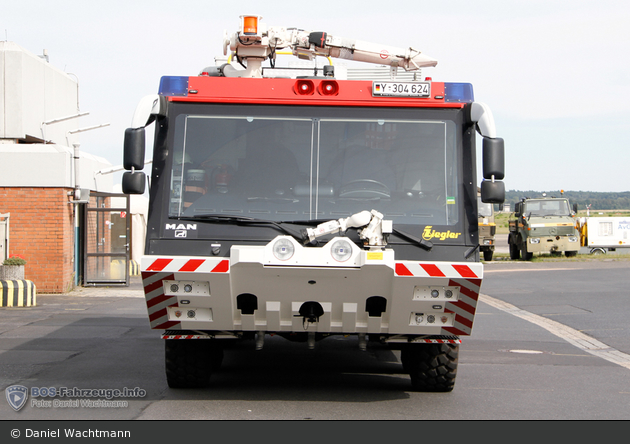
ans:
(487, 255)
(524, 254)
(570, 253)
(515, 254)
(432, 367)
(189, 363)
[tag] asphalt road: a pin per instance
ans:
(550, 342)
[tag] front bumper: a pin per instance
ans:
(252, 290)
(552, 244)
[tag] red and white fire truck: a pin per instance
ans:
(303, 205)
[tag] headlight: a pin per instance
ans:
(283, 249)
(341, 250)
(573, 239)
(534, 240)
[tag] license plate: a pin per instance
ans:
(401, 89)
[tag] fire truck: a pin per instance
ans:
(304, 205)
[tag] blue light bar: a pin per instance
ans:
(458, 92)
(173, 86)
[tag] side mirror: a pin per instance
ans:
(133, 154)
(133, 183)
(575, 208)
(492, 192)
(493, 159)
(492, 189)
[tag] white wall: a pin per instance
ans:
(32, 91)
(47, 165)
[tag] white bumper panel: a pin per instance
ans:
(185, 293)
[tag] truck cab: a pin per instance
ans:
(543, 225)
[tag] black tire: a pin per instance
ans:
(487, 255)
(190, 363)
(432, 367)
(524, 254)
(570, 253)
(515, 253)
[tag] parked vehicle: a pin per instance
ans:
(602, 234)
(544, 224)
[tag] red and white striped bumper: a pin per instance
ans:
(423, 298)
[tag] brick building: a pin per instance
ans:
(38, 173)
(42, 231)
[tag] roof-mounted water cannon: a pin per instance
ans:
(374, 234)
(253, 44)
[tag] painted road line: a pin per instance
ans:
(572, 336)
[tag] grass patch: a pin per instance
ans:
(547, 257)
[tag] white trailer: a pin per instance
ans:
(602, 234)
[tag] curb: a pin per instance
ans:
(17, 293)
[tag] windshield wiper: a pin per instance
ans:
(426, 245)
(243, 221)
(251, 221)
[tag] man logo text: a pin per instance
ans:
(181, 226)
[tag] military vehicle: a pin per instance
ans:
(545, 224)
(487, 229)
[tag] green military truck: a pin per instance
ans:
(545, 224)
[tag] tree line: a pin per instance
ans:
(597, 200)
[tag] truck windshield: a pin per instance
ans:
(559, 207)
(299, 168)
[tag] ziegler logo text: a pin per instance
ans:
(429, 234)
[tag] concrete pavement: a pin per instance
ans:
(134, 290)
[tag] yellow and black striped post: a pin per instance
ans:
(18, 293)
(134, 268)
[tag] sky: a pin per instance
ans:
(555, 73)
